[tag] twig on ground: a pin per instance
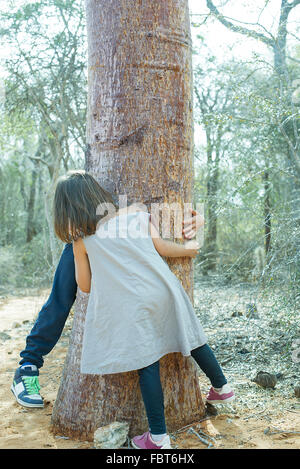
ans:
(191, 430)
(277, 431)
(284, 431)
(182, 429)
(227, 360)
(294, 411)
(254, 415)
(207, 436)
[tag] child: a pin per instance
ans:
(138, 311)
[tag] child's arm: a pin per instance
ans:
(82, 266)
(171, 249)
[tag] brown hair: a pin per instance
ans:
(76, 199)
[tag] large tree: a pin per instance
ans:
(288, 127)
(139, 144)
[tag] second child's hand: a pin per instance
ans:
(192, 248)
(192, 225)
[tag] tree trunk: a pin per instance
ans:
(30, 227)
(267, 212)
(211, 235)
(139, 144)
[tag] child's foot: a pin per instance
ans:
(26, 387)
(220, 396)
(146, 442)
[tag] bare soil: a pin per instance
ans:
(259, 418)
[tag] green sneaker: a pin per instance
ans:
(26, 387)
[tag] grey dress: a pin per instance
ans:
(138, 310)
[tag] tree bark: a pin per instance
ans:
(212, 204)
(30, 227)
(139, 144)
(267, 211)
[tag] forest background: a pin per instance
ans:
(247, 152)
(246, 62)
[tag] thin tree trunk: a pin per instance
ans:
(48, 202)
(267, 211)
(139, 144)
(30, 228)
(211, 235)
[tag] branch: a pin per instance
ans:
(250, 24)
(296, 157)
(294, 4)
(239, 29)
(292, 58)
(38, 158)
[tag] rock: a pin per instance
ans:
(243, 351)
(297, 391)
(265, 380)
(251, 311)
(4, 336)
(210, 409)
(15, 324)
(111, 436)
(236, 314)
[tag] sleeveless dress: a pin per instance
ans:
(138, 310)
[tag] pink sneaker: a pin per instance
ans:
(145, 442)
(221, 397)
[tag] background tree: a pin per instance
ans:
(257, 167)
(288, 124)
(45, 84)
(214, 89)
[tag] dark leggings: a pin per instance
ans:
(151, 389)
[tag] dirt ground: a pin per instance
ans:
(259, 419)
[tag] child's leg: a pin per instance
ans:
(208, 363)
(53, 315)
(46, 331)
(152, 393)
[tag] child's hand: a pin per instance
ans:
(191, 247)
(192, 225)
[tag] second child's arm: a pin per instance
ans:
(170, 248)
(82, 266)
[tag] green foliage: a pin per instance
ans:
(10, 268)
(36, 263)
(25, 266)
(42, 127)
(248, 121)
(246, 165)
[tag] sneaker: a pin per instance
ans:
(223, 396)
(26, 387)
(145, 442)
